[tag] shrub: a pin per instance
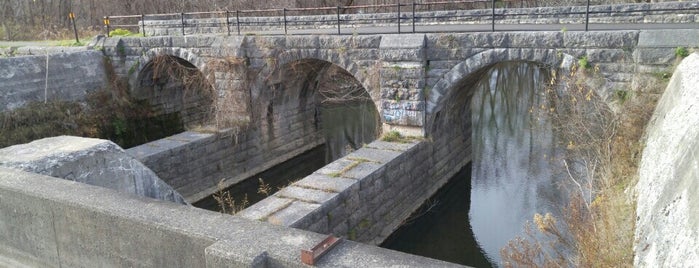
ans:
(584, 63)
(681, 52)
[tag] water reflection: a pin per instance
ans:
(438, 229)
(512, 175)
(348, 126)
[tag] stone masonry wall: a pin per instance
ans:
(71, 76)
(194, 163)
(665, 12)
(366, 195)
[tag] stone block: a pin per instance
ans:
(305, 194)
(264, 208)
(536, 39)
(326, 183)
(390, 54)
(669, 39)
(662, 56)
(403, 41)
(605, 39)
(293, 215)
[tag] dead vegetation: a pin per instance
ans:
(596, 228)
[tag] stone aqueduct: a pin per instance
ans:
(408, 76)
(415, 81)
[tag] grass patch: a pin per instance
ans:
(395, 136)
(119, 32)
(68, 43)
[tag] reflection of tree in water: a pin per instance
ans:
(348, 114)
(513, 147)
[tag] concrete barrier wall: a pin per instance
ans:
(665, 12)
(70, 77)
(49, 222)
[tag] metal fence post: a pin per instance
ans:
(493, 18)
(398, 17)
(237, 20)
(587, 15)
(182, 18)
(71, 16)
(106, 23)
(143, 25)
(284, 10)
(338, 20)
(228, 23)
(414, 16)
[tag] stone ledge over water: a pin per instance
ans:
(91, 161)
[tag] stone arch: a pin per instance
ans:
(174, 87)
(457, 76)
(293, 88)
(369, 79)
(148, 56)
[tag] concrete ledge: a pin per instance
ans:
(56, 223)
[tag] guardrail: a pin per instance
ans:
(399, 15)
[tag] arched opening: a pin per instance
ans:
(324, 100)
(307, 112)
(494, 118)
(176, 92)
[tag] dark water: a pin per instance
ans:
(345, 127)
(440, 229)
(277, 177)
(348, 127)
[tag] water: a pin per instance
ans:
(348, 127)
(276, 177)
(511, 178)
(440, 229)
(515, 160)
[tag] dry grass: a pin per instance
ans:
(596, 228)
(227, 202)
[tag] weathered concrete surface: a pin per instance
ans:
(48, 222)
(70, 76)
(667, 227)
(91, 161)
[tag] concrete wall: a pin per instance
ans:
(667, 226)
(680, 12)
(91, 161)
(49, 222)
(70, 77)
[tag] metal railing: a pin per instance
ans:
(406, 14)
